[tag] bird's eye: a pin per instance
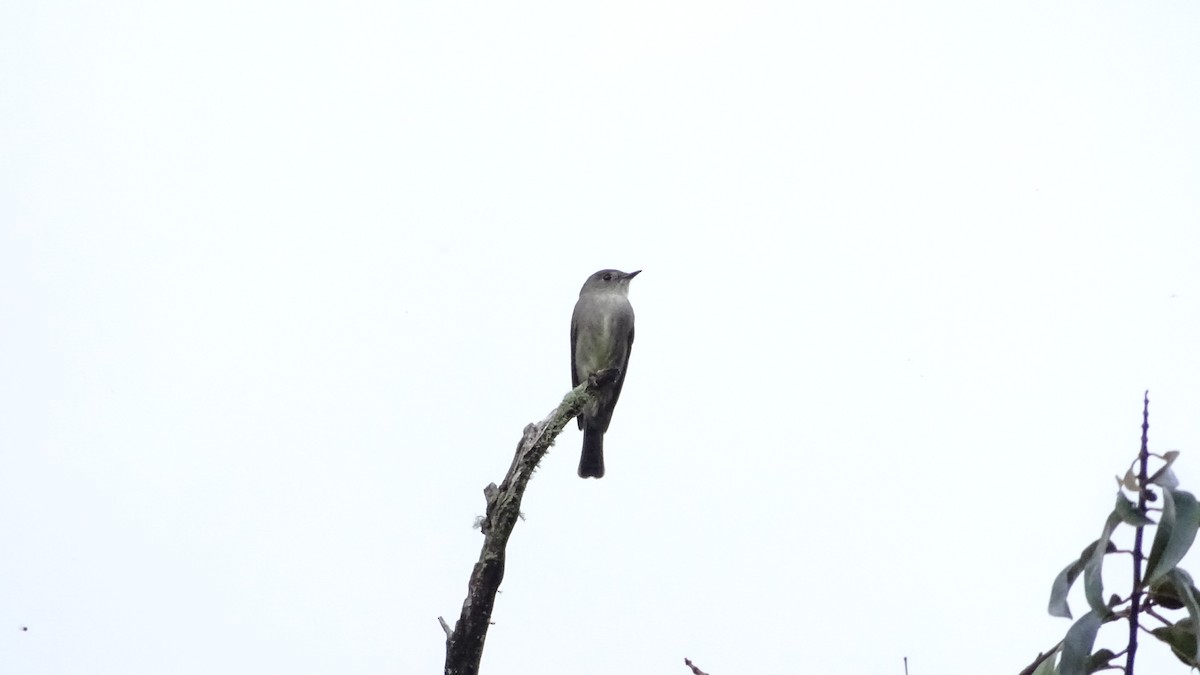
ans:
(607, 276)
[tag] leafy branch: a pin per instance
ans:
(1158, 586)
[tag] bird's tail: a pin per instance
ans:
(591, 462)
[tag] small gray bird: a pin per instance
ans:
(601, 338)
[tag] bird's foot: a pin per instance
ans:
(605, 377)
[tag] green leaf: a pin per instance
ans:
(1093, 584)
(1166, 525)
(1047, 667)
(1099, 660)
(1165, 476)
(1062, 586)
(1129, 512)
(1077, 645)
(1181, 637)
(1176, 532)
(1186, 589)
(1166, 593)
(1064, 580)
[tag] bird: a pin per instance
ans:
(601, 339)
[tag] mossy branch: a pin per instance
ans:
(464, 642)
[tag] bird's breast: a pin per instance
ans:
(602, 328)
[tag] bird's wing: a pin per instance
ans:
(616, 386)
(574, 375)
(574, 335)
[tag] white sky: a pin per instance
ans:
(280, 284)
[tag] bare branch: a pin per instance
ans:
(464, 643)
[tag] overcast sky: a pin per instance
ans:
(281, 283)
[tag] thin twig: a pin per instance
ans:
(1160, 617)
(695, 671)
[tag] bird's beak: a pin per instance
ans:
(632, 275)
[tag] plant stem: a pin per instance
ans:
(1135, 598)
